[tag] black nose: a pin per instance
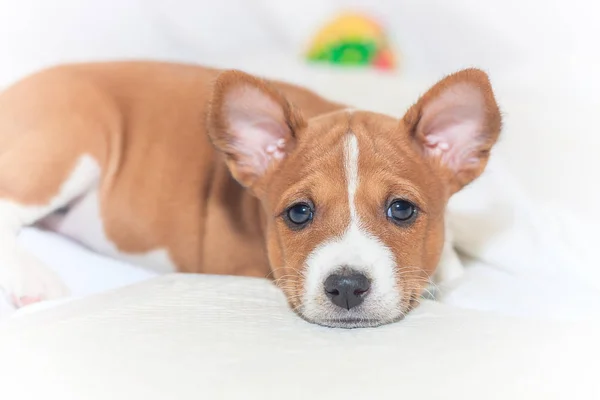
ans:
(347, 290)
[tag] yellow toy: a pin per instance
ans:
(352, 39)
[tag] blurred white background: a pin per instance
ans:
(435, 36)
(542, 56)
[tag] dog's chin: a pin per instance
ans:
(349, 320)
(353, 323)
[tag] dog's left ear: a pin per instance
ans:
(252, 124)
(455, 124)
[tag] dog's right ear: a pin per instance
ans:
(252, 124)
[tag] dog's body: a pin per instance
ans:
(181, 168)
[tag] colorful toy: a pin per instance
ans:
(352, 39)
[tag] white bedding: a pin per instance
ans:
(205, 337)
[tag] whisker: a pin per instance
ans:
(273, 270)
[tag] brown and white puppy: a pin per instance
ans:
(178, 167)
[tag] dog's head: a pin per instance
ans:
(354, 200)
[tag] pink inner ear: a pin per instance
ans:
(257, 126)
(452, 126)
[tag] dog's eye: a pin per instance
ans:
(299, 214)
(401, 211)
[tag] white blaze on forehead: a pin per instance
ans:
(356, 248)
(351, 171)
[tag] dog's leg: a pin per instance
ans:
(32, 187)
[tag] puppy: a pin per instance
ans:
(191, 169)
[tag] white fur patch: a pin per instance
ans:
(359, 250)
(21, 274)
(84, 175)
(83, 223)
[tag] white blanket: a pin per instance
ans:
(522, 257)
(205, 337)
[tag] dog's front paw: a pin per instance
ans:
(29, 281)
